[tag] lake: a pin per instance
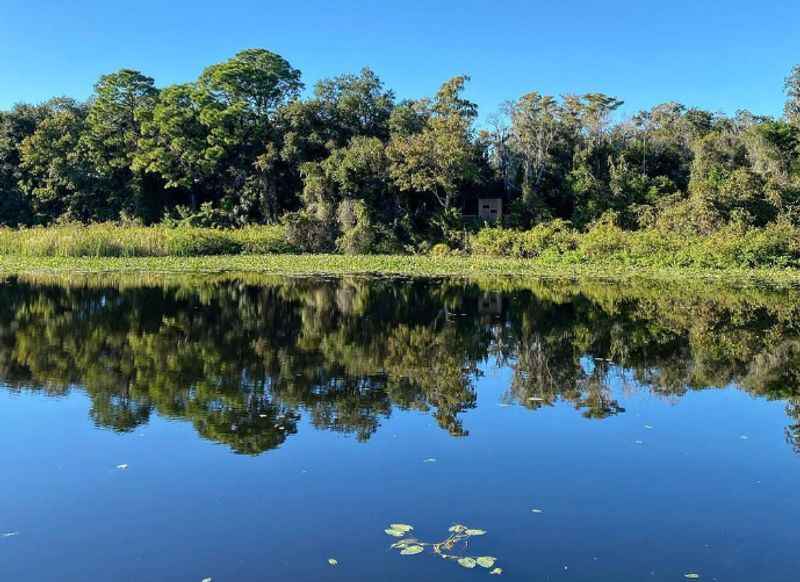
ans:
(251, 428)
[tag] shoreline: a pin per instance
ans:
(386, 265)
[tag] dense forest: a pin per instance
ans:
(352, 168)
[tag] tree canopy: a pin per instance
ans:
(349, 161)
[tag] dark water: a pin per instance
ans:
(269, 425)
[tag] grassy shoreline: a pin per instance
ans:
(386, 265)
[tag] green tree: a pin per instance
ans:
(58, 176)
(15, 125)
(240, 99)
(111, 139)
(534, 133)
(174, 142)
(442, 157)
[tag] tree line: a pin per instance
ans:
(352, 167)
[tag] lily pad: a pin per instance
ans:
(475, 532)
(496, 571)
(486, 561)
(411, 550)
(333, 561)
(405, 543)
(404, 527)
(467, 562)
(457, 528)
(395, 532)
(692, 576)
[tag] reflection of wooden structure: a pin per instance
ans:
(490, 209)
(490, 304)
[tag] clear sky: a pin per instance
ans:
(721, 55)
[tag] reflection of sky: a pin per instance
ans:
(693, 496)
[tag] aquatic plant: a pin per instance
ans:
(453, 547)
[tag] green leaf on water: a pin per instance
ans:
(496, 571)
(395, 532)
(486, 561)
(475, 532)
(692, 576)
(333, 561)
(404, 527)
(457, 528)
(467, 562)
(411, 550)
(406, 542)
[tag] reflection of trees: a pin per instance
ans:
(243, 359)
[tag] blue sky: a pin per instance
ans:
(721, 55)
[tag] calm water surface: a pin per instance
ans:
(250, 429)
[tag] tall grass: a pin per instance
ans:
(109, 240)
(553, 244)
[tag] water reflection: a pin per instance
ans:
(243, 358)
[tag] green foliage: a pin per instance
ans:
(441, 157)
(439, 250)
(174, 140)
(357, 233)
(348, 169)
(56, 172)
(111, 138)
(310, 233)
(110, 240)
(552, 239)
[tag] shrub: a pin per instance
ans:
(439, 250)
(308, 233)
(357, 233)
(776, 245)
(551, 238)
(603, 238)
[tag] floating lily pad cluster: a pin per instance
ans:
(450, 548)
